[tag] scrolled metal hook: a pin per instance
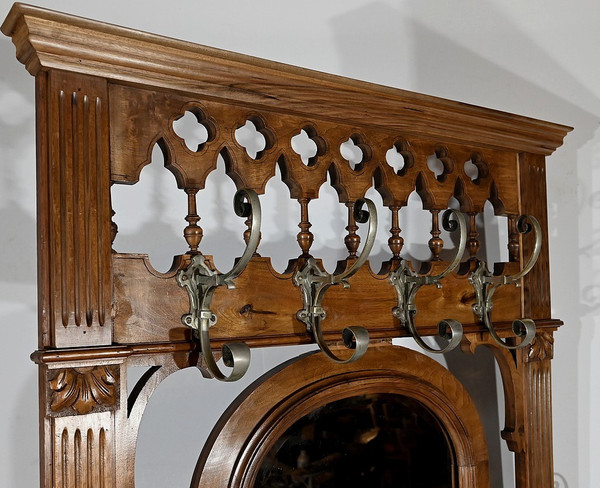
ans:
(314, 282)
(486, 284)
(201, 281)
(525, 228)
(407, 283)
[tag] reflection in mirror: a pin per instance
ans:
(374, 440)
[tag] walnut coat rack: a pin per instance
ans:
(105, 95)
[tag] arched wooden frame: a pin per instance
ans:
(249, 428)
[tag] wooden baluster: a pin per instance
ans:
(436, 244)
(305, 237)
(193, 232)
(352, 239)
(473, 243)
(514, 247)
(395, 242)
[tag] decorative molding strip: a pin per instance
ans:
(84, 389)
(46, 39)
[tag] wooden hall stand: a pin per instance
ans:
(105, 95)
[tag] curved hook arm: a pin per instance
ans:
(408, 283)
(451, 225)
(449, 329)
(201, 282)
(486, 284)
(314, 282)
(524, 328)
(523, 227)
(354, 337)
(236, 355)
(362, 216)
(243, 209)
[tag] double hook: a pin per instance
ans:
(314, 282)
(201, 282)
(485, 284)
(408, 283)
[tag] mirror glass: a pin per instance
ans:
(375, 440)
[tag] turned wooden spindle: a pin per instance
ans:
(193, 232)
(395, 242)
(514, 247)
(352, 239)
(436, 243)
(305, 237)
(473, 243)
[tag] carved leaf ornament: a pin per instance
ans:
(542, 347)
(83, 389)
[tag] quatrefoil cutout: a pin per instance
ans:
(356, 151)
(476, 168)
(308, 145)
(399, 158)
(194, 129)
(440, 163)
(254, 137)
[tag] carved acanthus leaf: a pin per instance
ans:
(542, 347)
(84, 389)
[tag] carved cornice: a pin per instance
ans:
(51, 40)
(84, 389)
(542, 347)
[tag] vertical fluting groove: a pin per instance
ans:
(536, 417)
(543, 423)
(77, 460)
(101, 212)
(548, 424)
(64, 452)
(76, 177)
(102, 456)
(90, 458)
(87, 161)
(62, 144)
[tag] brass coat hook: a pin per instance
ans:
(201, 282)
(485, 284)
(408, 283)
(314, 282)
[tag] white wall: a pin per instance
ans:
(537, 58)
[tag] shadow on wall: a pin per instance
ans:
(19, 412)
(405, 40)
(17, 176)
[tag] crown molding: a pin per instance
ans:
(47, 40)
